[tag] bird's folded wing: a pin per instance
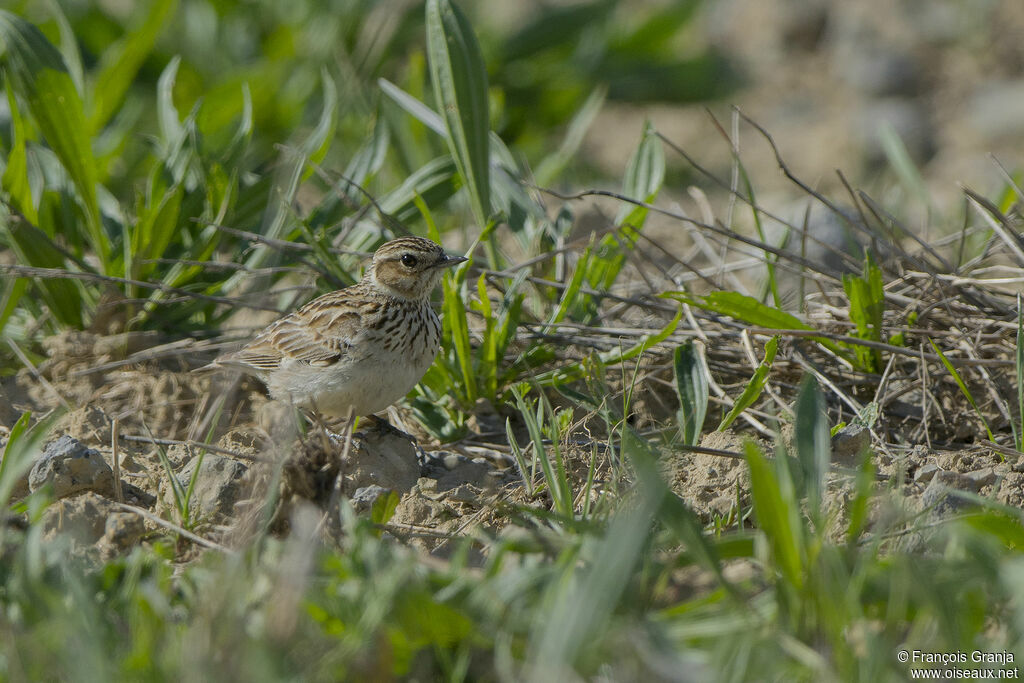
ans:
(317, 334)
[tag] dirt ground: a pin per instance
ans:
(260, 468)
(825, 78)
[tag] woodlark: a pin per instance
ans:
(358, 349)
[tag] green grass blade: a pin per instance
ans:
(166, 113)
(751, 311)
(612, 357)
(489, 358)
(314, 147)
(860, 506)
(867, 307)
(755, 386)
(412, 106)
(813, 443)
(570, 296)
(433, 183)
(692, 390)
(901, 162)
(455, 320)
(121, 62)
(15, 180)
(525, 471)
(38, 74)
(14, 289)
(963, 387)
(16, 458)
(459, 79)
(778, 516)
(554, 475)
(645, 174)
(674, 513)
(35, 248)
(743, 307)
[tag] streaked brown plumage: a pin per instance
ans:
(360, 348)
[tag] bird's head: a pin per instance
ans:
(410, 267)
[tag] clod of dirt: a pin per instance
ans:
(122, 530)
(82, 520)
(708, 483)
(70, 467)
(88, 423)
(217, 489)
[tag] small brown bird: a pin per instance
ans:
(358, 349)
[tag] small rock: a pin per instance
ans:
(978, 479)
(70, 467)
(925, 472)
(364, 498)
(218, 486)
(936, 495)
(123, 530)
(849, 443)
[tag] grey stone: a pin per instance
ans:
(925, 472)
(70, 467)
(979, 479)
(365, 497)
(849, 442)
(936, 495)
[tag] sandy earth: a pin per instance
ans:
(823, 78)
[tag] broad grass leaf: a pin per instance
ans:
(121, 62)
(645, 174)
(459, 79)
(813, 443)
(778, 516)
(38, 74)
(692, 390)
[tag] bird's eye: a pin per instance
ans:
(408, 260)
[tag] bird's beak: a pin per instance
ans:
(449, 261)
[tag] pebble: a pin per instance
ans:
(70, 467)
(925, 472)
